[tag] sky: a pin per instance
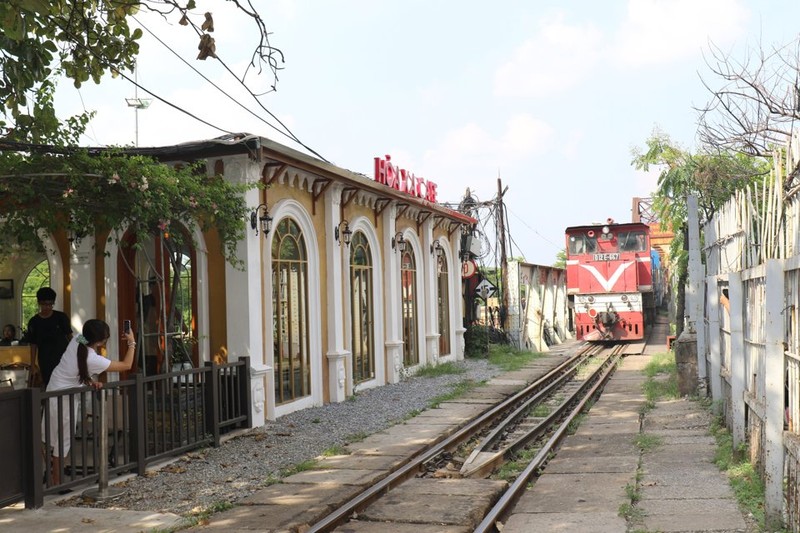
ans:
(550, 97)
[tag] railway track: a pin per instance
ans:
(501, 432)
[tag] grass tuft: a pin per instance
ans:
(509, 359)
(647, 443)
(444, 369)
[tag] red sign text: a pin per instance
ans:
(402, 180)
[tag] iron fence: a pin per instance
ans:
(148, 419)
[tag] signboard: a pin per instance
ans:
(485, 289)
(468, 269)
(403, 180)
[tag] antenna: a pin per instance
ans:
(137, 103)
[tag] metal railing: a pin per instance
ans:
(147, 420)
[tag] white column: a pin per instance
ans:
(736, 307)
(774, 373)
(336, 253)
(392, 302)
(244, 305)
(429, 262)
(694, 290)
(457, 298)
(83, 295)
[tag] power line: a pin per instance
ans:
(287, 133)
(533, 230)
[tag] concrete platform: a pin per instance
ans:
(602, 522)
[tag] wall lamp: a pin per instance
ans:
(436, 248)
(346, 233)
(264, 220)
(398, 242)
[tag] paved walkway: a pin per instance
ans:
(591, 484)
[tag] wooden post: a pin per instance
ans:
(503, 270)
(714, 352)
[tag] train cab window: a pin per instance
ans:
(582, 244)
(631, 241)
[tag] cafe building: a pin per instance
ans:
(345, 281)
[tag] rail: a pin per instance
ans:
(366, 497)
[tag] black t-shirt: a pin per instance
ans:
(51, 336)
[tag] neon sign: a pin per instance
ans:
(402, 180)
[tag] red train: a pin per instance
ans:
(610, 280)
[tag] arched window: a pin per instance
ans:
(158, 292)
(362, 329)
(290, 316)
(38, 277)
(443, 304)
(408, 278)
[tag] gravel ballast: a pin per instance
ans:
(251, 460)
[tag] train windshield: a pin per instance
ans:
(632, 241)
(582, 244)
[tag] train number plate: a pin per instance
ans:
(607, 257)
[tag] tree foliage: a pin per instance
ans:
(712, 177)
(84, 40)
(46, 183)
(86, 194)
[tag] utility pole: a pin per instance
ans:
(501, 229)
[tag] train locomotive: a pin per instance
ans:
(610, 280)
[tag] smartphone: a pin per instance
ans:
(126, 326)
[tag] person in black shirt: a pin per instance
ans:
(49, 332)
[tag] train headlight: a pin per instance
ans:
(591, 299)
(606, 229)
(624, 297)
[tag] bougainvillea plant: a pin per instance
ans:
(89, 194)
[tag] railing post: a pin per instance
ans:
(102, 492)
(212, 401)
(34, 491)
(244, 391)
(137, 414)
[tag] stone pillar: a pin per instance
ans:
(337, 256)
(695, 295)
(82, 297)
(392, 304)
(685, 348)
(429, 262)
(243, 295)
(457, 299)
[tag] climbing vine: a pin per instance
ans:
(84, 194)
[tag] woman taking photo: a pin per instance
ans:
(79, 363)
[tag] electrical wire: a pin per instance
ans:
(77, 42)
(533, 230)
(287, 133)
